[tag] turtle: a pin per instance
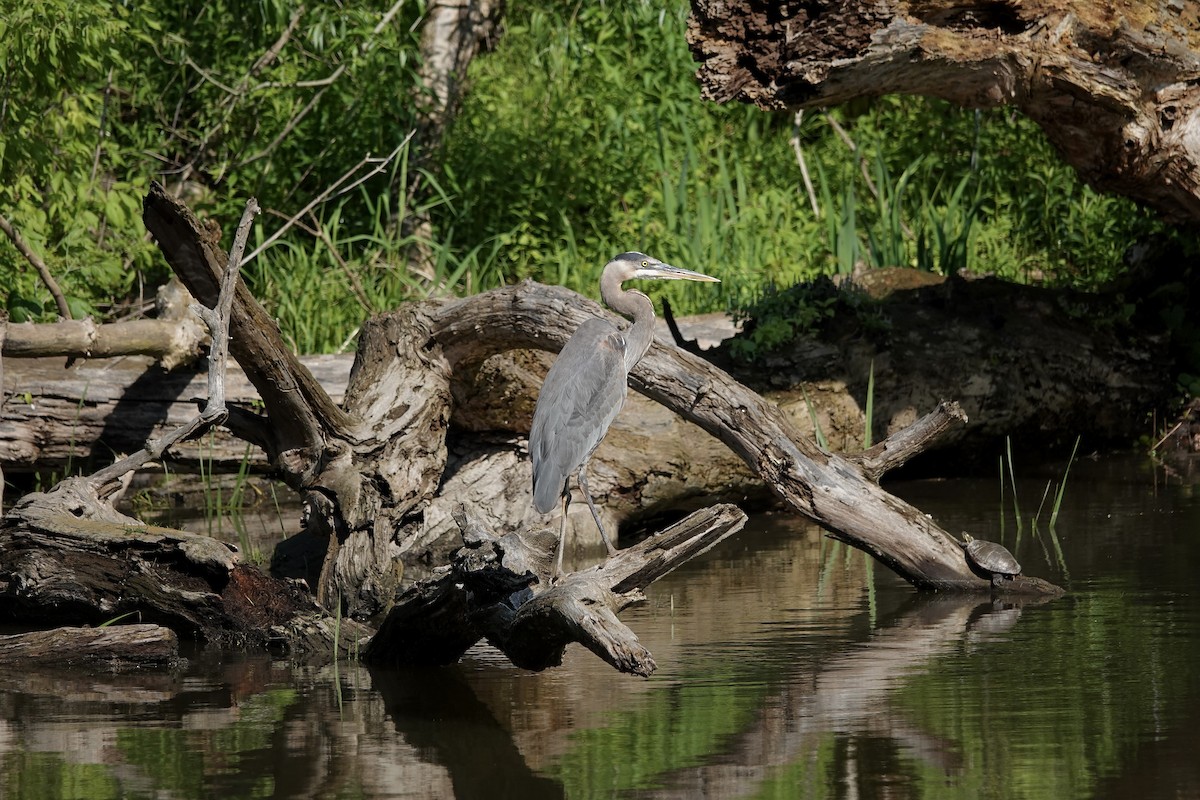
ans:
(991, 558)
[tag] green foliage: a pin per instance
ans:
(593, 114)
(581, 135)
(98, 98)
(72, 194)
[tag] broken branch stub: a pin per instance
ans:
(498, 588)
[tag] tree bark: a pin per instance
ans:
(371, 471)
(119, 646)
(453, 32)
(1113, 85)
(499, 588)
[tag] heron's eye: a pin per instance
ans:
(645, 263)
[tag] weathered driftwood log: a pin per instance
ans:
(66, 557)
(498, 588)
(133, 645)
(371, 470)
(1112, 84)
(68, 552)
(56, 414)
(170, 341)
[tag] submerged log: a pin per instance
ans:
(498, 588)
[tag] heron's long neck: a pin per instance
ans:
(639, 335)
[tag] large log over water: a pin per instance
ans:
(1113, 84)
(370, 468)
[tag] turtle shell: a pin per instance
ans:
(992, 557)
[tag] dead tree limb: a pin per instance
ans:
(1112, 84)
(35, 260)
(498, 588)
(831, 490)
(304, 421)
(68, 552)
(170, 340)
(136, 645)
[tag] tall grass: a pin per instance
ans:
(582, 135)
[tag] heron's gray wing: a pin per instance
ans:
(583, 393)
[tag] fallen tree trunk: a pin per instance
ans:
(55, 414)
(838, 493)
(170, 341)
(119, 646)
(1022, 370)
(1112, 84)
(371, 469)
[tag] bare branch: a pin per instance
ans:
(43, 272)
(214, 410)
(235, 93)
(808, 184)
(338, 187)
(306, 424)
(323, 83)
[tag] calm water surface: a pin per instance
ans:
(789, 666)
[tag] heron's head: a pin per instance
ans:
(633, 265)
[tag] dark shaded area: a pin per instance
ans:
(1031, 365)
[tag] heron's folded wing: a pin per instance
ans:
(583, 393)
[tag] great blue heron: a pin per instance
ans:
(585, 387)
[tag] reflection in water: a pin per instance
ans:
(788, 668)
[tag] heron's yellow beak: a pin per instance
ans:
(667, 272)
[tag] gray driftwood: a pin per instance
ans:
(498, 588)
(170, 341)
(370, 470)
(135, 645)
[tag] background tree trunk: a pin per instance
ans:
(1112, 84)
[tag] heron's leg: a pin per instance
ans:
(595, 514)
(562, 533)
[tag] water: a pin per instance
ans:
(789, 666)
